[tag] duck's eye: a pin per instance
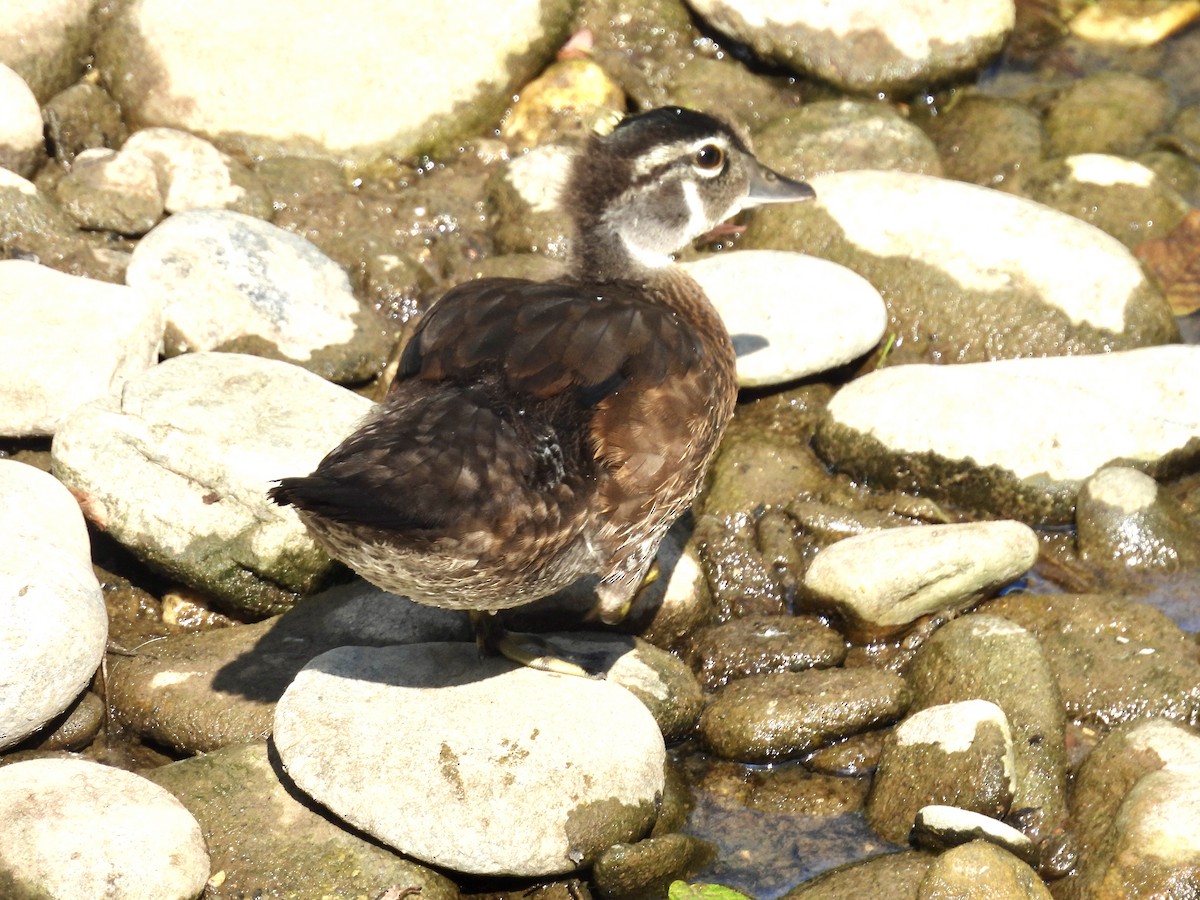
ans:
(709, 158)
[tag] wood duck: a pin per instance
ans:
(537, 433)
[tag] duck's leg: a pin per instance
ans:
(520, 647)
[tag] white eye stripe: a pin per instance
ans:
(663, 155)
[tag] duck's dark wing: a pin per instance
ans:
(513, 404)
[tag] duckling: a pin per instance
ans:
(539, 433)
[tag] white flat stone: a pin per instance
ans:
(1060, 417)
(865, 45)
(195, 174)
(891, 577)
(472, 764)
(177, 468)
(302, 77)
(53, 622)
(21, 141)
(67, 340)
(72, 828)
(790, 315)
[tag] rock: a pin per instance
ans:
(841, 135)
(778, 311)
(330, 76)
(265, 841)
(863, 47)
(941, 827)
(1105, 819)
(1048, 425)
(83, 117)
(766, 718)
(67, 341)
(893, 875)
(1124, 522)
(565, 101)
(32, 226)
(22, 148)
(971, 274)
(729, 87)
(198, 692)
(986, 657)
(53, 624)
(177, 469)
(785, 788)
(661, 681)
(1107, 112)
(228, 280)
(980, 869)
(648, 867)
(112, 834)
(958, 754)
(1120, 197)
(1137, 26)
(110, 191)
(1115, 660)
(46, 41)
(421, 747)
(762, 645)
(523, 195)
(881, 581)
(986, 140)
(76, 727)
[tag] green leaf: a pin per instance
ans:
(681, 890)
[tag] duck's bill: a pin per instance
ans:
(767, 186)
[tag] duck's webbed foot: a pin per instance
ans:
(522, 648)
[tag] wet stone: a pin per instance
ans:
(762, 645)
(1120, 197)
(891, 875)
(177, 469)
(157, 850)
(882, 581)
(1106, 112)
(941, 827)
(1115, 660)
(420, 747)
(841, 135)
(46, 41)
(1047, 426)
(1124, 522)
(986, 657)
(33, 225)
(524, 198)
(109, 191)
(264, 839)
(856, 755)
(226, 279)
(971, 274)
(862, 48)
(82, 117)
(1119, 763)
(766, 718)
(198, 692)
(980, 869)
(958, 754)
(986, 140)
(784, 788)
(648, 867)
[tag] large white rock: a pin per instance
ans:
(21, 142)
(178, 467)
(883, 580)
(361, 79)
(53, 622)
(45, 41)
(790, 315)
(73, 828)
(67, 340)
(864, 45)
(1021, 434)
(474, 765)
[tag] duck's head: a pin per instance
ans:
(658, 181)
